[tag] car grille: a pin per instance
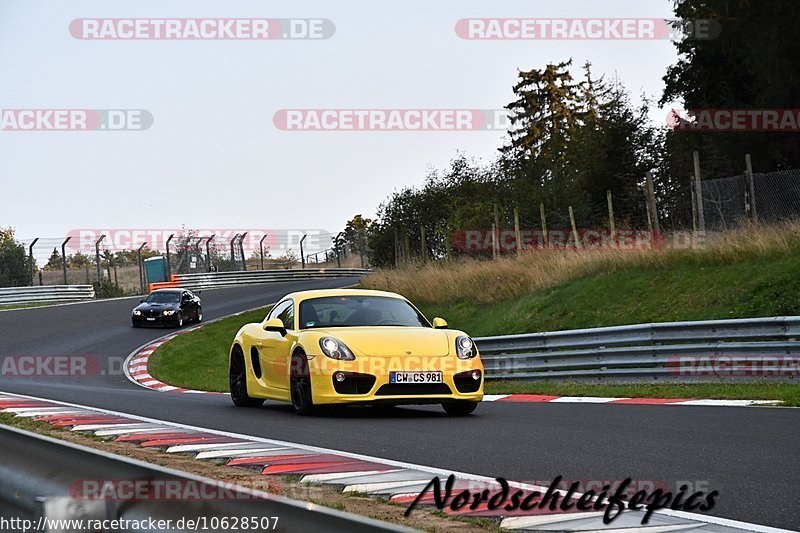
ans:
(151, 313)
(413, 389)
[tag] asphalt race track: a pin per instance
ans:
(750, 455)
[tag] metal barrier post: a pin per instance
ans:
(302, 257)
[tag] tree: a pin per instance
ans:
(54, 263)
(13, 260)
(752, 64)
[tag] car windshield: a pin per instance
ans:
(163, 298)
(349, 311)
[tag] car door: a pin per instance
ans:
(186, 305)
(274, 348)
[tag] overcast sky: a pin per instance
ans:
(213, 157)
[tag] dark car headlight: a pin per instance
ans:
(335, 349)
(137, 312)
(169, 312)
(465, 347)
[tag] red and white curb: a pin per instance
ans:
(136, 369)
(396, 481)
(136, 366)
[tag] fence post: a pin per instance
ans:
(30, 260)
(751, 187)
(261, 248)
(651, 200)
(241, 251)
(361, 246)
(169, 263)
(209, 266)
(424, 244)
(517, 234)
(141, 265)
(545, 240)
(574, 229)
(611, 223)
(694, 203)
(496, 232)
(698, 186)
(64, 258)
(494, 241)
(302, 257)
(97, 259)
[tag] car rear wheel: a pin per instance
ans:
(459, 408)
(300, 385)
(199, 316)
(238, 381)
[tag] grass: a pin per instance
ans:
(788, 393)
(199, 359)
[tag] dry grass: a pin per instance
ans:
(485, 281)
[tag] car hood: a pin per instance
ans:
(156, 306)
(387, 341)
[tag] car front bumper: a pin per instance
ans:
(367, 380)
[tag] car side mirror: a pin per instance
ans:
(275, 324)
(141, 300)
(439, 323)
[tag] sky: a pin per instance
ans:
(213, 157)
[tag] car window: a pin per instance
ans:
(343, 311)
(279, 309)
(287, 316)
(163, 297)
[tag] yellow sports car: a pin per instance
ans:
(352, 347)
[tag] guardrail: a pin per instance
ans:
(45, 293)
(670, 351)
(41, 478)
(229, 279)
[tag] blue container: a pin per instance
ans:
(155, 269)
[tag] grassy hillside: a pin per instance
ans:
(751, 272)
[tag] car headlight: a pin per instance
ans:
(335, 349)
(465, 347)
(169, 312)
(137, 312)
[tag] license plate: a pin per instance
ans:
(415, 377)
(152, 319)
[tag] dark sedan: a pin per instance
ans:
(168, 307)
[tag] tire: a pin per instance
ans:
(237, 381)
(179, 320)
(199, 315)
(459, 408)
(300, 385)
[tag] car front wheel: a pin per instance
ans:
(300, 385)
(179, 320)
